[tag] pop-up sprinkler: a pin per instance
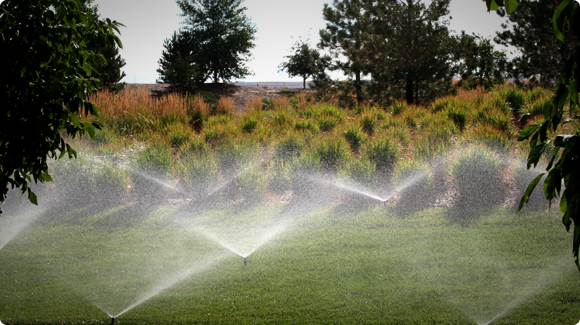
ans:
(112, 320)
(244, 261)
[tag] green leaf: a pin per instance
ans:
(528, 131)
(559, 19)
(32, 197)
(46, 177)
(493, 4)
(564, 203)
(530, 190)
(90, 129)
(511, 6)
(536, 154)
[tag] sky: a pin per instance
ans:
(279, 23)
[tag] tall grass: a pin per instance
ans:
(294, 133)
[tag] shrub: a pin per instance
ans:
(515, 98)
(267, 104)
(226, 106)
(414, 185)
(198, 168)
(327, 123)
(478, 179)
(368, 124)
(362, 171)
(458, 116)
(355, 138)
(149, 173)
(249, 124)
(288, 148)
(207, 97)
(331, 152)
(383, 152)
(253, 182)
(306, 126)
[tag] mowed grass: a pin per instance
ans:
(327, 267)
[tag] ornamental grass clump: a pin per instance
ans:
(288, 148)
(150, 171)
(414, 186)
(355, 138)
(384, 153)
(332, 152)
(477, 176)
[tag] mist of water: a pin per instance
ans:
(543, 279)
(167, 283)
(12, 225)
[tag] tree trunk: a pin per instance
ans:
(409, 92)
(358, 88)
(304, 82)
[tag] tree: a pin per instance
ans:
(345, 36)
(109, 73)
(543, 55)
(224, 34)
(411, 50)
(563, 111)
(479, 63)
(303, 63)
(47, 70)
(177, 65)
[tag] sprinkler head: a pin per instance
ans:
(244, 261)
(112, 320)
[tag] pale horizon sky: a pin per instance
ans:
(279, 24)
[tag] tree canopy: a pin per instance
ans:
(560, 116)
(304, 61)
(109, 73)
(177, 65)
(48, 69)
(346, 34)
(412, 49)
(221, 35)
(542, 55)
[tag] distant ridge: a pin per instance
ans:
(272, 84)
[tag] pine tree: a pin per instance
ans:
(109, 72)
(345, 36)
(411, 51)
(543, 55)
(177, 65)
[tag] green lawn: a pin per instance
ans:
(319, 266)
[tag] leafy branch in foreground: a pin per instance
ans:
(563, 166)
(48, 69)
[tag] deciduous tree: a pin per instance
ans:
(479, 64)
(223, 36)
(560, 116)
(46, 73)
(304, 61)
